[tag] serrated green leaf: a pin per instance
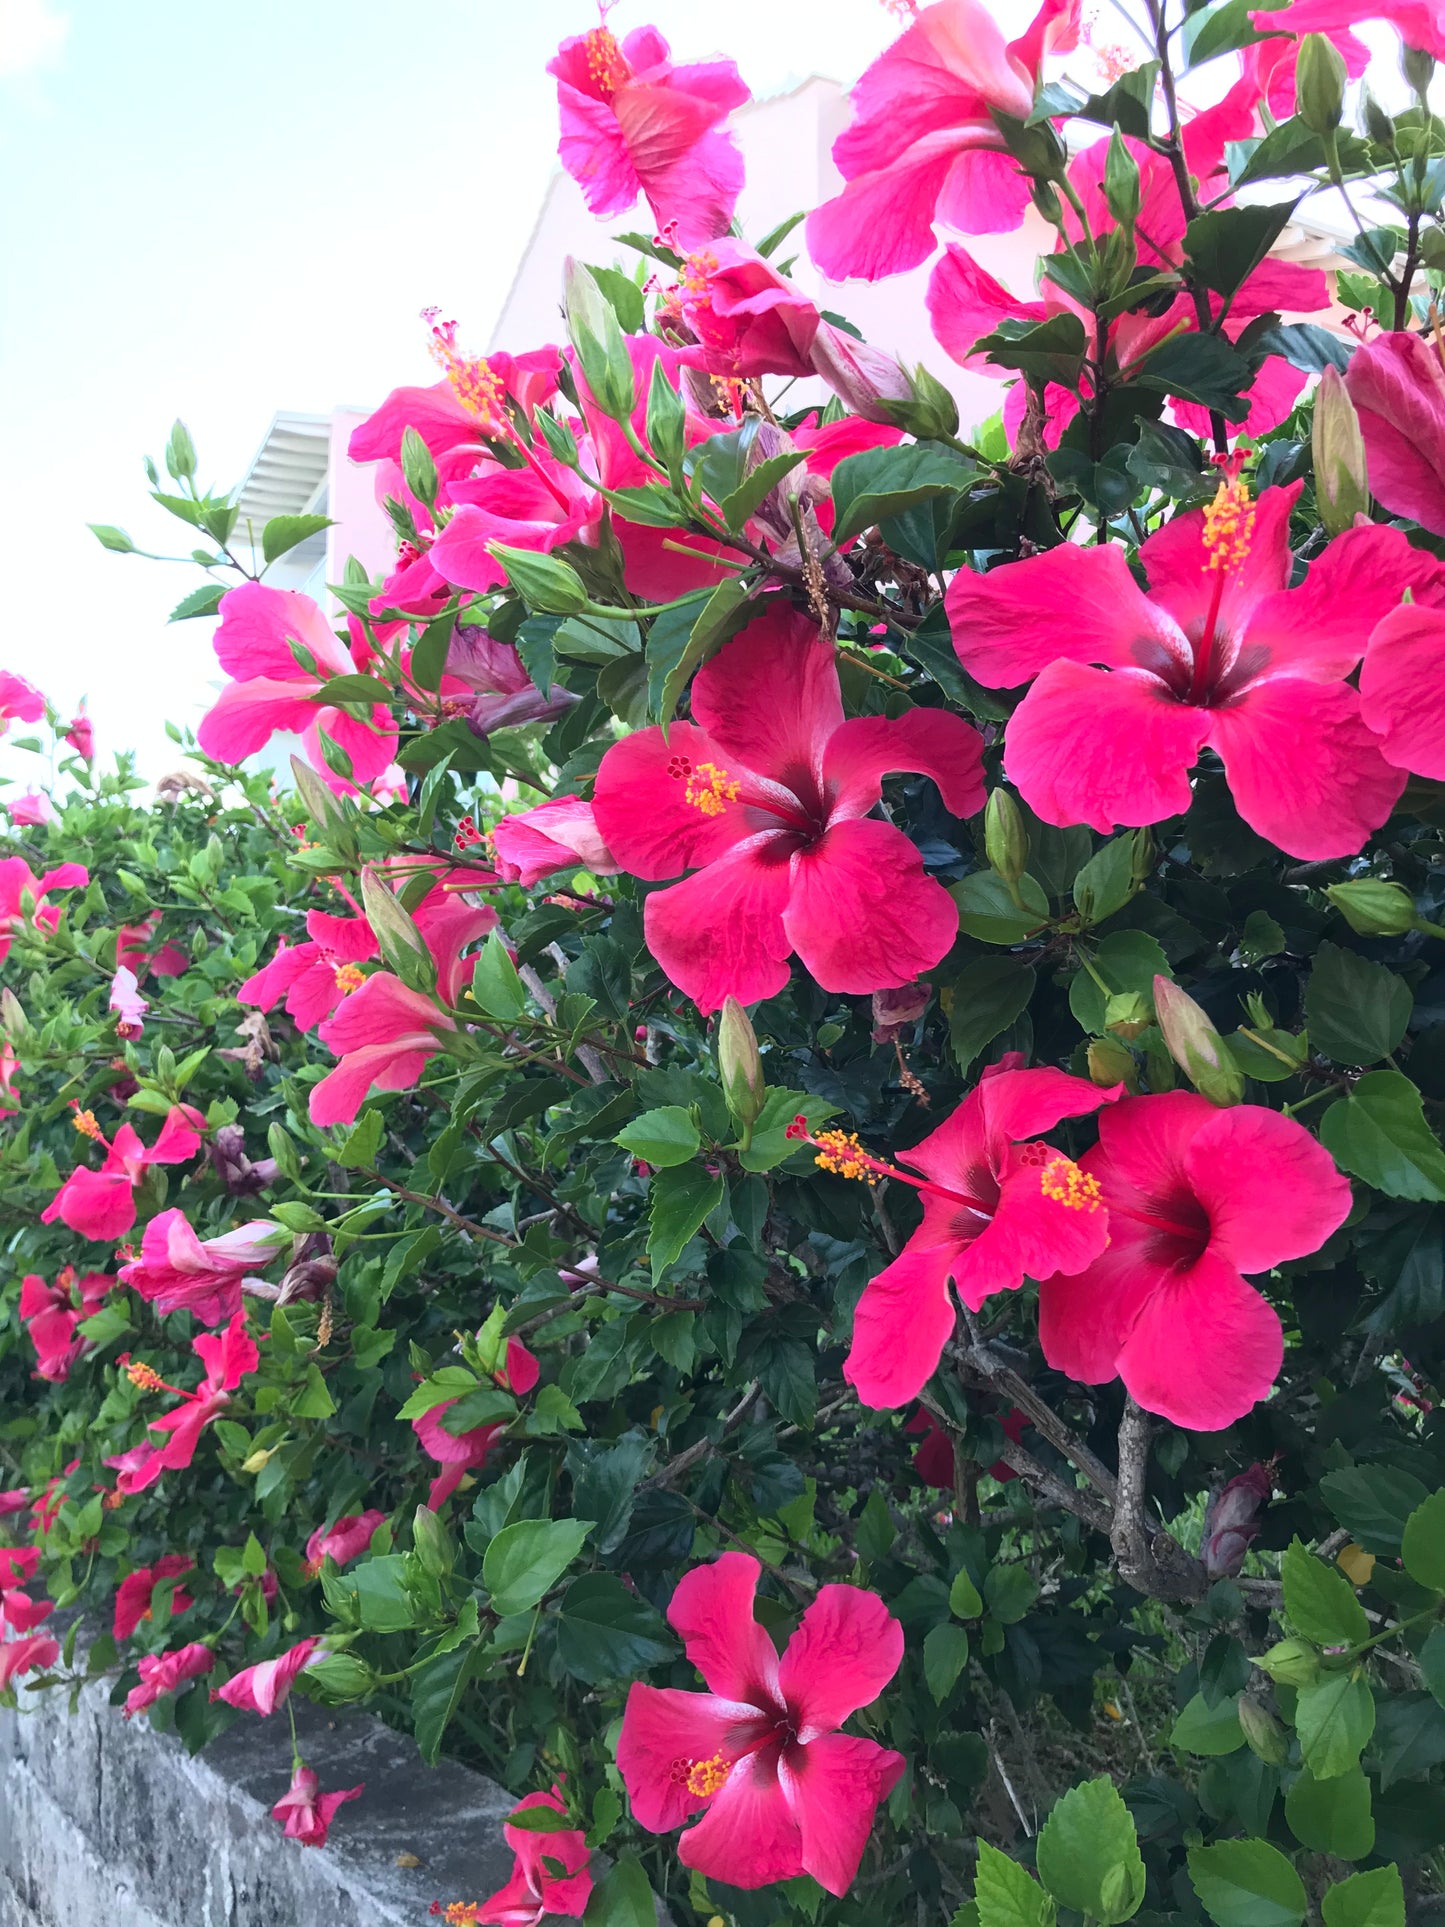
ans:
(1088, 1854)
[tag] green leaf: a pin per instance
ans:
(964, 1598)
(1006, 1895)
(663, 1137)
(204, 601)
(622, 1897)
(1431, 1661)
(1422, 1546)
(1334, 1720)
(625, 296)
(1332, 1816)
(496, 987)
(363, 1141)
(1106, 882)
(1222, 30)
(1201, 368)
(1044, 351)
(1289, 149)
(1373, 1503)
(1226, 245)
(606, 1632)
(1304, 344)
(1379, 1133)
(771, 1143)
(541, 1820)
(1409, 1737)
(1088, 1854)
(1320, 1601)
(884, 482)
(1247, 1883)
(1356, 1010)
(759, 482)
(1209, 1730)
(1009, 1591)
(945, 1654)
(682, 639)
(1372, 1899)
(988, 912)
(524, 1561)
(983, 1000)
(680, 1199)
(1128, 961)
(437, 1687)
(285, 532)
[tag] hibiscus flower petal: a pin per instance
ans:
(1320, 629)
(834, 1786)
(932, 742)
(641, 807)
(1034, 1233)
(769, 698)
(1085, 1319)
(1204, 1349)
(846, 1649)
(1106, 748)
(882, 222)
(721, 933)
(1182, 581)
(1303, 769)
(1080, 605)
(862, 914)
(749, 1836)
(1406, 657)
(1271, 1190)
(712, 1613)
(664, 1733)
(901, 1325)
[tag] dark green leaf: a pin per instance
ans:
(1088, 1854)
(1247, 1883)
(883, 482)
(1422, 1545)
(1356, 1010)
(524, 1561)
(1226, 245)
(1332, 1816)
(680, 1199)
(285, 532)
(984, 999)
(1372, 1899)
(1379, 1133)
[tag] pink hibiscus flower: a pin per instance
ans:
(314, 976)
(461, 1452)
(127, 1003)
(51, 1317)
(134, 1595)
(997, 1208)
(1397, 383)
(30, 1655)
(162, 1673)
(538, 506)
(633, 123)
(924, 147)
(101, 1204)
(537, 1889)
(30, 810)
(344, 1540)
(461, 415)
(133, 952)
(767, 794)
(16, 879)
(489, 682)
(782, 1791)
(1404, 668)
(385, 1033)
(19, 1613)
(306, 1811)
(228, 1357)
(20, 701)
(1419, 23)
(1220, 651)
(177, 1271)
(261, 1689)
(1197, 1196)
(79, 732)
(749, 319)
(271, 690)
(933, 1455)
(560, 835)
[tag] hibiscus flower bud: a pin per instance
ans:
(1375, 122)
(1373, 906)
(1293, 1662)
(866, 381)
(546, 583)
(402, 945)
(433, 1544)
(1418, 67)
(1341, 489)
(1319, 83)
(739, 1064)
(1121, 182)
(1005, 840)
(1195, 1045)
(13, 1021)
(1231, 1521)
(1128, 1014)
(894, 1010)
(1262, 1731)
(1111, 1064)
(596, 335)
(241, 1177)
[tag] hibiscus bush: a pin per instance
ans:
(788, 1190)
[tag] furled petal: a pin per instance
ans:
(846, 1649)
(721, 933)
(861, 913)
(228, 1355)
(901, 1325)
(834, 1786)
(1271, 1190)
(97, 1204)
(1018, 1104)
(1402, 686)
(1109, 748)
(386, 1067)
(985, 191)
(1303, 769)
(933, 742)
(769, 698)
(664, 1732)
(1077, 604)
(748, 1836)
(1204, 1349)
(435, 413)
(1397, 383)
(712, 1612)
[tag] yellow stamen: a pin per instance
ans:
(696, 269)
(841, 1153)
(86, 1125)
(144, 1377)
(349, 977)
(704, 1777)
(481, 392)
(711, 789)
(1229, 524)
(1063, 1181)
(606, 62)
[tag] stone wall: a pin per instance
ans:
(104, 1821)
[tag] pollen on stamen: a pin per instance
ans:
(348, 978)
(696, 269)
(1229, 519)
(606, 63)
(711, 789)
(1063, 1181)
(86, 1125)
(479, 390)
(706, 1777)
(841, 1153)
(144, 1377)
